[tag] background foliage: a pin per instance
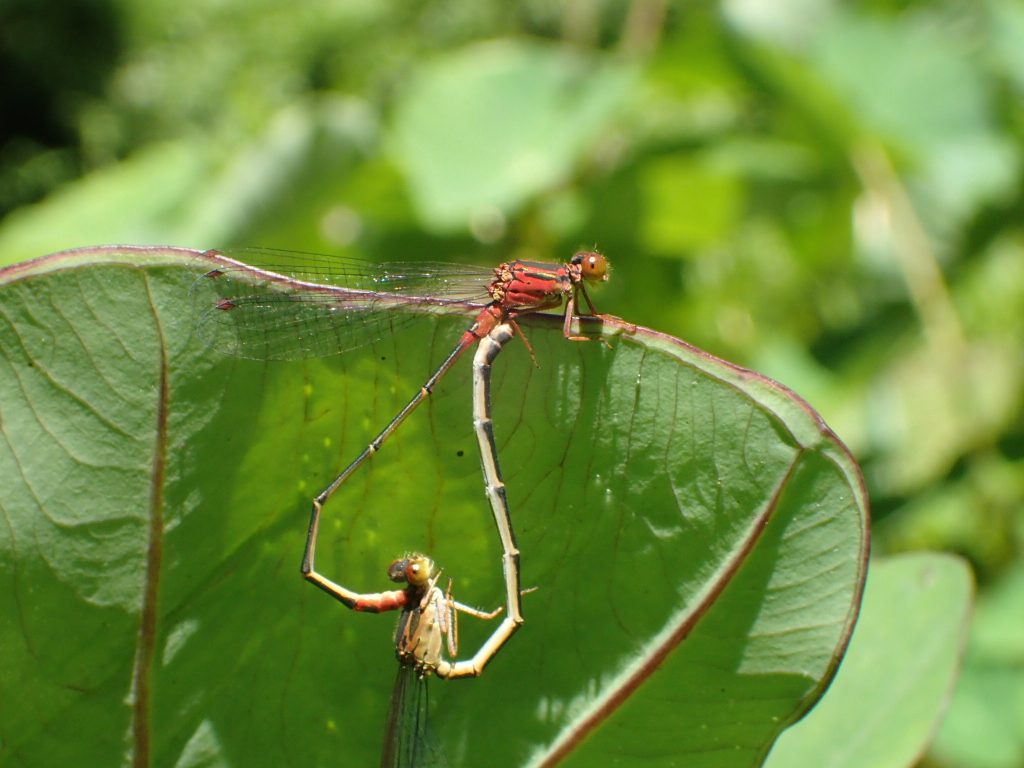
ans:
(829, 195)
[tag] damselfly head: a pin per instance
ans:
(413, 570)
(593, 266)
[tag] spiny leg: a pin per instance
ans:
(308, 567)
(487, 351)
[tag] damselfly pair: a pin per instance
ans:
(284, 305)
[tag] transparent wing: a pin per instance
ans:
(285, 305)
(407, 740)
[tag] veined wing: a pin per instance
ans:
(285, 305)
(407, 741)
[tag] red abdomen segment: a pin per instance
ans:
(381, 601)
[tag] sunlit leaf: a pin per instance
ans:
(697, 537)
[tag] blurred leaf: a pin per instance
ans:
(959, 402)
(696, 533)
(689, 205)
(890, 692)
(784, 24)
(483, 129)
(917, 85)
(138, 200)
(190, 192)
(904, 79)
(963, 514)
(998, 631)
(985, 724)
(1007, 29)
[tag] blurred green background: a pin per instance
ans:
(831, 195)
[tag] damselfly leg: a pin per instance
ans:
(300, 306)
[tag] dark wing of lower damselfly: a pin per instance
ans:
(284, 305)
(408, 742)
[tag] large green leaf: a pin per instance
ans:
(697, 534)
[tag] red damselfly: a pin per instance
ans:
(286, 305)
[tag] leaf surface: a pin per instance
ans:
(697, 535)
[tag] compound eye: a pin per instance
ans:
(417, 570)
(397, 569)
(593, 266)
